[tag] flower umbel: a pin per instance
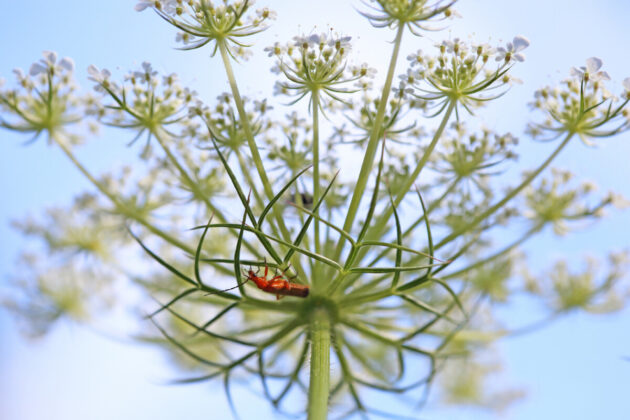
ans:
(582, 105)
(202, 22)
(415, 14)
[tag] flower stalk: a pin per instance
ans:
(319, 383)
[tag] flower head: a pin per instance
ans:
(581, 105)
(461, 73)
(203, 22)
(415, 14)
(53, 108)
(317, 63)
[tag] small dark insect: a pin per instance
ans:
(305, 198)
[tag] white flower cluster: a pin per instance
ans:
(317, 62)
(461, 72)
(143, 100)
(582, 105)
(202, 21)
(46, 99)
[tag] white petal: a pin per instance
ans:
(50, 56)
(593, 64)
(576, 72)
(520, 43)
(93, 70)
(19, 73)
(519, 57)
(626, 83)
(67, 63)
(37, 68)
(602, 75)
(142, 5)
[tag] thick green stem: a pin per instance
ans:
(370, 152)
(319, 387)
(483, 216)
(250, 137)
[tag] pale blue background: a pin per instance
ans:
(572, 370)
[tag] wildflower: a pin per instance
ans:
(317, 63)
(591, 72)
(144, 4)
(53, 109)
(581, 105)
(200, 22)
(512, 50)
(461, 74)
(97, 75)
(49, 63)
(275, 49)
(149, 104)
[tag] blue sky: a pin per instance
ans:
(573, 369)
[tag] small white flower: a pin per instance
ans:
(144, 4)
(184, 37)
(266, 13)
(280, 89)
(454, 46)
(224, 97)
(402, 90)
(275, 49)
(97, 75)
(513, 50)
(261, 106)
(48, 62)
(147, 74)
(338, 43)
(416, 58)
(592, 70)
(363, 71)
(617, 200)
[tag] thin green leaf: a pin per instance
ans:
(302, 232)
(161, 261)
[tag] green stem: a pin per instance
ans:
(315, 104)
(494, 256)
(368, 158)
(381, 223)
(250, 137)
(508, 197)
(319, 387)
(197, 193)
(423, 161)
(190, 182)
